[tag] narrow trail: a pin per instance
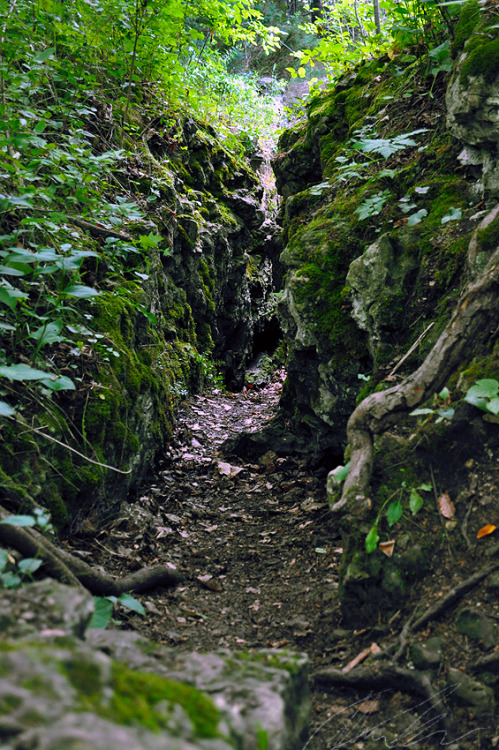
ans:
(260, 552)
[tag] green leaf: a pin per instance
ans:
(48, 334)
(6, 410)
(19, 520)
(493, 406)
(372, 539)
(340, 473)
(22, 372)
(394, 512)
(60, 383)
(486, 388)
(46, 54)
(103, 612)
(420, 412)
(417, 217)
(425, 487)
(415, 502)
(9, 296)
(81, 291)
(446, 413)
(29, 565)
(4, 559)
(10, 580)
(130, 603)
(453, 215)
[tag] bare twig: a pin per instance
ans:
(408, 354)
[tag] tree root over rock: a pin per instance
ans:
(474, 318)
(75, 572)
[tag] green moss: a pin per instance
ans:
(482, 60)
(488, 238)
(83, 675)
(9, 703)
(469, 18)
(136, 696)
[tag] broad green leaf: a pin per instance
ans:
(61, 383)
(394, 512)
(29, 565)
(10, 580)
(7, 327)
(46, 54)
(340, 473)
(493, 406)
(372, 539)
(81, 291)
(420, 412)
(19, 520)
(103, 612)
(22, 372)
(130, 603)
(48, 334)
(9, 296)
(415, 502)
(6, 410)
(486, 388)
(445, 413)
(453, 215)
(417, 217)
(444, 393)
(425, 487)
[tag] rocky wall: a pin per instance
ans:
(192, 291)
(383, 186)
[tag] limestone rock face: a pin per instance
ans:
(472, 102)
(374, 245)
(378, 280)
(117, 689)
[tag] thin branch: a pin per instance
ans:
(37, 430)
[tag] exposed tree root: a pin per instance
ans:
(75, 572)
(474, 319)
(384, 672)
(383, 676)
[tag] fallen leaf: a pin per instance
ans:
(210, 583)
(368, 707)
(446, 506)
(387, 547)
(486, 530)
(229, 470)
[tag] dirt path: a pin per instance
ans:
(260, 553)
